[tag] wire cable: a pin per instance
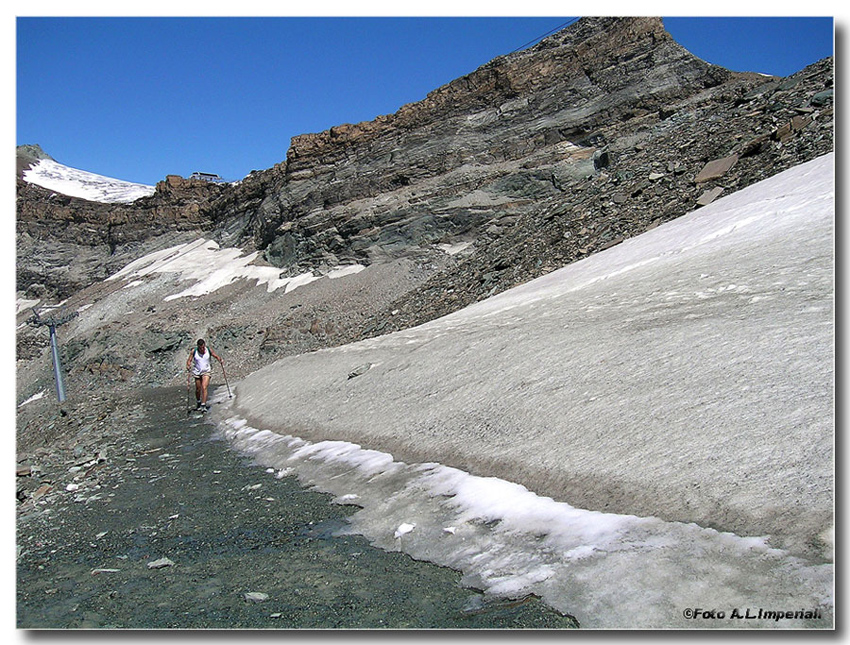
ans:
(548, 33)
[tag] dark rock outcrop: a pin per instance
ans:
(657, 166)
(494, 143)
(66, 243)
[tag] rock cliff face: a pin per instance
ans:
(534, 160)
(492, 144)
(66, 243)
(649, 168)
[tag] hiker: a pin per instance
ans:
(199, 364)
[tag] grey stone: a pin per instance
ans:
(823, 98)
(709, 196)
(359, 370)
(160, 564)
(716, 169)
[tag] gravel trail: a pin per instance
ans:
(152, 523)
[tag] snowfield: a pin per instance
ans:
(209, 268)
(642, 433)
(69, 181)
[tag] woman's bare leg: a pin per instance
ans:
(205, 381)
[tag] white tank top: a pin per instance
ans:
(202, 362)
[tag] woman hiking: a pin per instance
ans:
(199, 364)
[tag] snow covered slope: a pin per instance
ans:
(675, 385)
(209, 268)
(52, 175)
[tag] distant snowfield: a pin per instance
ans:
(209, 268)
(685, 374)
(78, 183)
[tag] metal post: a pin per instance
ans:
(51, 323)
(57, 365)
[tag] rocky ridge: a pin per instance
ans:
(646, 173)
(535, 160)
(494, 143)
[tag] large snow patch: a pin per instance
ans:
(686, 374)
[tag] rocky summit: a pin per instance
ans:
(535, 160)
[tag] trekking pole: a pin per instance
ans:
(189, 393)
(229, 395)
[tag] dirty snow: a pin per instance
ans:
(652, 428)
(209, 268)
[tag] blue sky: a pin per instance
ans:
(140, 98)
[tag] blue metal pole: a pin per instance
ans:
(57, 365)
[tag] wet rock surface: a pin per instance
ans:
(147, 521)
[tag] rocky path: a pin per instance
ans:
(152, 523)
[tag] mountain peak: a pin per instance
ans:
(617, 61)
(32, 150)
(27, 156)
